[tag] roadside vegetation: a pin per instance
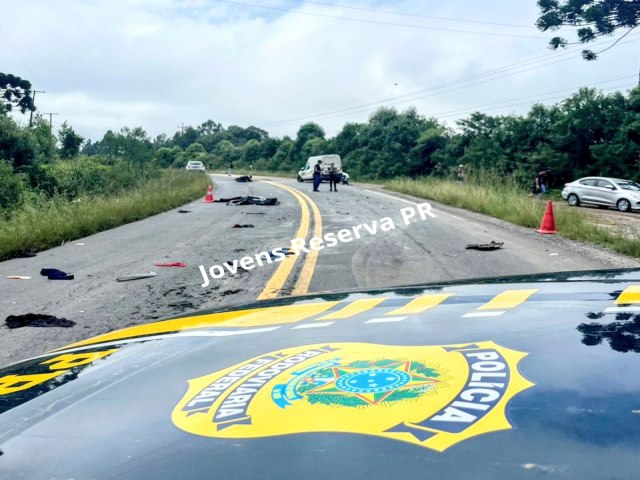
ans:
(508, 201)
(53, 221)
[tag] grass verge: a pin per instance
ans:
(511, 203)
(57, 220)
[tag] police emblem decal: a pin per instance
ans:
(433, 396)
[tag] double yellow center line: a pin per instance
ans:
(277, 281)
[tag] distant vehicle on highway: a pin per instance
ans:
(603, 192)
(196, 165)
(306, 173)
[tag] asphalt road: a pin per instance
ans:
(430, 250)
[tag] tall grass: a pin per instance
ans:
(54, 221)
(507, 201)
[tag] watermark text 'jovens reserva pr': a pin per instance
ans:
(328, 240)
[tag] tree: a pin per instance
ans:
(306, 132)
(165, 157)
(70, 141)
(135, 146)
(15, 92)
(593, 18)
(195, 151)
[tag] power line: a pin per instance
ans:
(535, 97)
(556, 97)
(495, 106)
(24, 64)
(438, 89)
(378, 22)
(415, 15)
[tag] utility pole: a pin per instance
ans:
(51, 114)
(181, 127)
(34, 104)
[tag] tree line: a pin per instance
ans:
(588, 133)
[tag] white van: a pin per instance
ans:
(306, 173)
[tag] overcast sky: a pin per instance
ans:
(278, 63)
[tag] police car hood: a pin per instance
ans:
(494, 379)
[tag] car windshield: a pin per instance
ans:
(629, 186)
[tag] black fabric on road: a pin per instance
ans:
(55, 274)
(248, 200)
(37, 320)
(485, 246)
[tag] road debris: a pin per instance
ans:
(184, 211)
(80, 244)
(485, 246)
(286, 250)
(244, 178)
(26, 254)
(171, 264)
(246, 225)
(249, 200)
(55, 274)
(136, 276)
(231, 292)
(37, 320)
(18, 277)
(253, 213)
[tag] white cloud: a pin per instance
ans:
(157, 64)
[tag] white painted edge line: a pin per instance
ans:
(313, 325)
(622, 310)
(413, 203)
(385, 319)
(195, 333)
(392, 197)
(484, 314)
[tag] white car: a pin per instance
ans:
(603, 192)
(196, 165)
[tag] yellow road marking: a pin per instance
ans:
(420, 304)
(630, 294)
(508, 299)
(306, 274)
(280, 276)
(242, 318)
(353, 308)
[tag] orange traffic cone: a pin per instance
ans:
(208, 198)
(548, 224)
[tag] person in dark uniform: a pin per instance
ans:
(334, 178)
(317, 175)
(541, 184)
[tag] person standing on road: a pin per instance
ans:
(541, 185)
(317, 175)
(230, 168)
(333, 178)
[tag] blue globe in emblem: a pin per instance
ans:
(372, 380)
